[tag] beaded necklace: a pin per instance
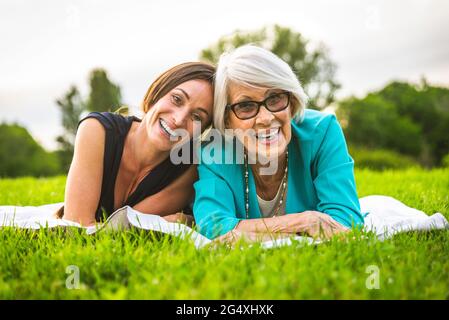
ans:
(283, 186)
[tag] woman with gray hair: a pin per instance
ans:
(294, 176)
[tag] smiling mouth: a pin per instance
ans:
(268, 135)
(167, 129)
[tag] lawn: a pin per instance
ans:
(135, 265)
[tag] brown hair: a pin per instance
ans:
(174, 77)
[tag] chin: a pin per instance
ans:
(158, 142)
(264, 154)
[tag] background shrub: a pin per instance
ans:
(380, 159)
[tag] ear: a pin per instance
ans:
(293, 102)
(226, 119)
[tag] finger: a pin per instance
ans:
(326, 227)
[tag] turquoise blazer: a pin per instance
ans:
(320, 178)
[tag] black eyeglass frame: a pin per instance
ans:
(261, 103)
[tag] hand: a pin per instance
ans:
(180, 218)
(234, 236)
(317, 224)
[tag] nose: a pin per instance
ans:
(264, 116)
(180, 116)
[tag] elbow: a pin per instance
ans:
(84, 221)
(351, 220)
(213, 227)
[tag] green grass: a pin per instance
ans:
(135, 265)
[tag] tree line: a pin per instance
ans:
(21, 155)
(401, 125)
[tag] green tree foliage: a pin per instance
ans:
(104, 95)
(375, 123)
(313, 66)
(409, 119)
(71, 106)
(21, 155)
(428, 107)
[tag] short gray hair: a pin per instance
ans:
(253, 66)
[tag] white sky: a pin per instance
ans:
(45, 46)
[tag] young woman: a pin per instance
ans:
(122, 161)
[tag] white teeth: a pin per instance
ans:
(167, 128)
(267, 136)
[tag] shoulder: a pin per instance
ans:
(109, 121)
(90, 125)
(313, 125)
(90, 137)
(88, 153)
(220, 155)
(319, 130)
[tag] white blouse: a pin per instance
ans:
(268, 207)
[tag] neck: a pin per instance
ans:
(143, 156)
(269, 179)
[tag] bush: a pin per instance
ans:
(404, 117)
(380, 159)
(445, 161)
(21, 155)
(375, 123)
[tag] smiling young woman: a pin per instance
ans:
(122, 161)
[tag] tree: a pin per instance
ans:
(313, 67)
(428, 107)
(21, 155)
(71, 106)
(404, 117)
(104, 95)
(373, 122)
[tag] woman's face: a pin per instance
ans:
(268, 133)
(183, 111)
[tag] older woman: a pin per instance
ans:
(296, 175)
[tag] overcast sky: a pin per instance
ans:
(45, 46)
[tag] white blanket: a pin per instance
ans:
(386, 217)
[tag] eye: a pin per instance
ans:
(274, 98)
(177, 100)
(196, 117)
(247, 105)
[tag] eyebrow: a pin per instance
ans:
(185, 93)
(243, 99)
(246, 98)
(269, 92)
(204, 111)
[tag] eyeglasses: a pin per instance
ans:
(249, 109)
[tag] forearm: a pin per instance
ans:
(282, 224)
(79, 215)
(80, 206)
(84, 220)
(313, 223)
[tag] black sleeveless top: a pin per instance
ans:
(117, 128)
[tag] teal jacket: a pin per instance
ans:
(320, 178)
